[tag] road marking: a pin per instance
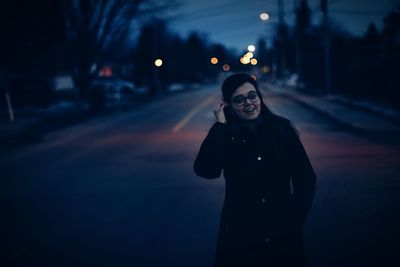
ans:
(192, 113)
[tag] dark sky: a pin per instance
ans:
(236, 23)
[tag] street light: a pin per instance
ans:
(251, 48)
(264, 16)
(249, 55)
(214, 60)
(158, 62)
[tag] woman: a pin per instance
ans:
(269, 181)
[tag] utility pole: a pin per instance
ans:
(281, 13)
(155, 83)
(327, 46)
(6, 83)
(9, 107)
(297, 51)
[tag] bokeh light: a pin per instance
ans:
(226, 67)
(265, 69)
(251, 48)
(158, 62)
(249, 55)
(245, 60)
(214, 60)
(106, 71)
(264, 16)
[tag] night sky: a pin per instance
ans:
(236, 23)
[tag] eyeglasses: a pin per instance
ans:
(240, 100)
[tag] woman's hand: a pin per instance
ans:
(219, 112)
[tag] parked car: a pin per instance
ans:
(114, 86)
(116, 92)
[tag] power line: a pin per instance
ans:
(244, 28)
(215, 15)
(225, 10)
(218, 6)
(315, 11)
(354, 12)
(217, 10)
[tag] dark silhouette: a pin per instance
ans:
(185, 60)
(31, 36)
(269, 180)
(149, 48)
(95, 30)
(363, 67)
(302, 35)
(42, 40)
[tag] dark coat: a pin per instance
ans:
(269, 187)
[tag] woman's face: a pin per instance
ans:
(245, 102)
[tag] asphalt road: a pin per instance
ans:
(120, 191)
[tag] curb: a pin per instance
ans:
(332, 116)
(33, 132)
(393, 116)
(327, 114)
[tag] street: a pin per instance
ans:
(119, 190)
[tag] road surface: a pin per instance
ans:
(119, 190)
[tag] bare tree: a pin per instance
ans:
(96, 28)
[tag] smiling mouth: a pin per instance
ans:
(249, 109)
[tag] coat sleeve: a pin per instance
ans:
(209, 160)
(303, 179)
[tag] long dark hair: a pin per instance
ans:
(274, 129)
(235, 81)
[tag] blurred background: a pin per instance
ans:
(67, 52)
(104, 103)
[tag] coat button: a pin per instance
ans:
(244, 140)
(263, 200)
(266, 240)
(258, 158)
(233, 138)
